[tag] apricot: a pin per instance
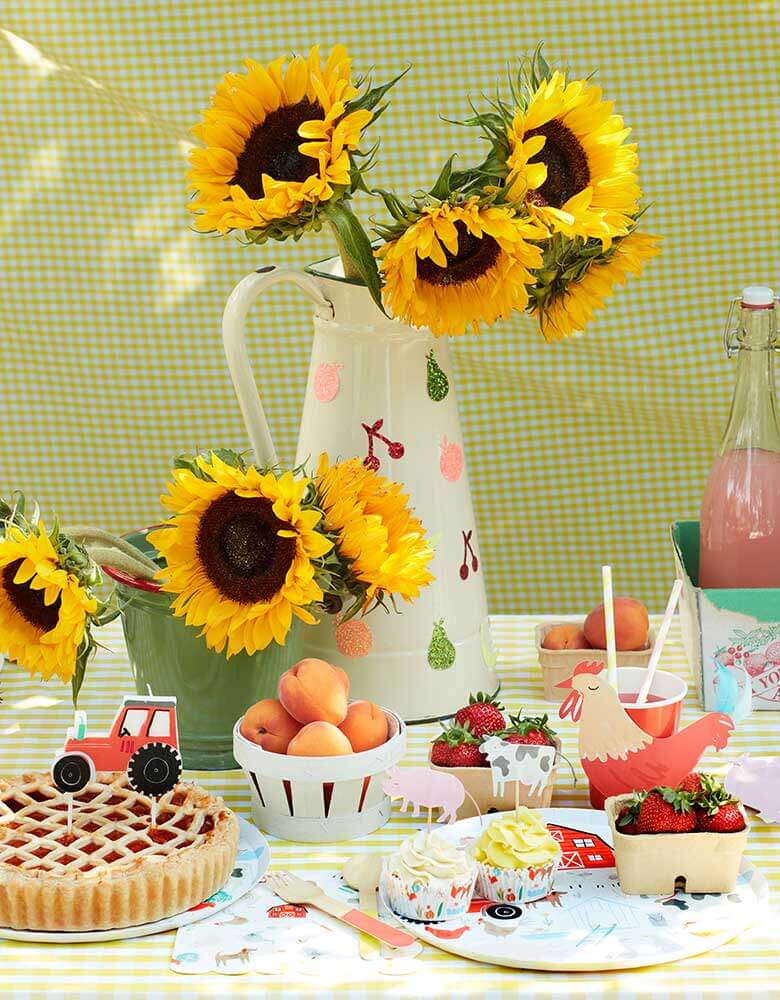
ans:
(565, 637)
(319, 739)
(631, 625)
(365, 726)
(315, 691)
(269, 726)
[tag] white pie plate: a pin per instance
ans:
(589, 925)
(252, 863)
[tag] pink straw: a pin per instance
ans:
(663, 631)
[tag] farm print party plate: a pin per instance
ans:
(588, 924)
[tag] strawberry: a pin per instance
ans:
(626, 821)
(441, 753)
(698, 783)
(457, 747)
(665, 810)
(691, 783)
(482, 715)
(726, 819)
(533, 731)
(467, 755)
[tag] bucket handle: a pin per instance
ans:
(234, 341)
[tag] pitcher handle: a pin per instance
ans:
(234, 341)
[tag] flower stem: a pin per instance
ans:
(87, 535)
(110, 556)
(351, 269)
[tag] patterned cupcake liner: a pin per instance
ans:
(414, 900)
(515, 885)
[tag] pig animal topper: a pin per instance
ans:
(756, 781)
(423, 787)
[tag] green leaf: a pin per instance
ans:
(357, 245)
(87, 648)
(441, 189)
(372, 97)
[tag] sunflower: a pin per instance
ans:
(277, 143)
(568, 161)
(241, 551)
(45, 610)
(457, 264)
(570, 305)
(376, 531)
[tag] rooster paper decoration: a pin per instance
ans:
(617, 756)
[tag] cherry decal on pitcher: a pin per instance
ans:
(468, 550)
(394, 448)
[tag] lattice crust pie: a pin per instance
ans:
(114, 869)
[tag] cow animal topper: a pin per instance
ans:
(422, 787)
(617, 755)
(526, 764)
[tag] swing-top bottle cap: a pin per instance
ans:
(758, 297)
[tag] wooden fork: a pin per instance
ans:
(296, 890)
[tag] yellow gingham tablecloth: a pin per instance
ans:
(33, 719)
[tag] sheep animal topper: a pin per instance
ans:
(616, 754)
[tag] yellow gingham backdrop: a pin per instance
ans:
(110, 312)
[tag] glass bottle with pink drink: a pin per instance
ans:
(740, 510)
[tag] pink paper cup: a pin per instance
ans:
(659, 718)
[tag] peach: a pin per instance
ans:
(565, 637)
(365, 726)
(269, 725)
(319, 739)
(631, 625)
(315, 691)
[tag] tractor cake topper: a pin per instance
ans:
(143, 741)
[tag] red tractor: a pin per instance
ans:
(144, 741)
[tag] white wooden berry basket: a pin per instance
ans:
(320, 799)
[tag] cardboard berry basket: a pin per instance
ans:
(662, 863)
(478, 782)
(557, 664)
(320, 799)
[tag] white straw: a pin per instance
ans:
(609, 622)
(663, 631)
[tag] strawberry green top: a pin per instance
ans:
(524, 842)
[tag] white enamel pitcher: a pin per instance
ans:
(382, 391)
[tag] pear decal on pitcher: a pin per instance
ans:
(438, 383)
(441, 652)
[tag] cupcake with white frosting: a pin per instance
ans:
(428, 879)
(517, 858)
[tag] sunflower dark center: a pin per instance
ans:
(567, 164)
(474, 257)
(240, 549)
(272, 148)
(29, 602)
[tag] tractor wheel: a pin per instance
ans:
(71, 773)
(154, 769)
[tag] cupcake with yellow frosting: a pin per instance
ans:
(428, 879)
(517, 858)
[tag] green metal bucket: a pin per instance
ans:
(170, 658)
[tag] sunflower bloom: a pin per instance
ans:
(376, 530)
(240, 551)
(459, 265)
(569, 162)
(44, 610)
(566, 313)
(277, 142)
